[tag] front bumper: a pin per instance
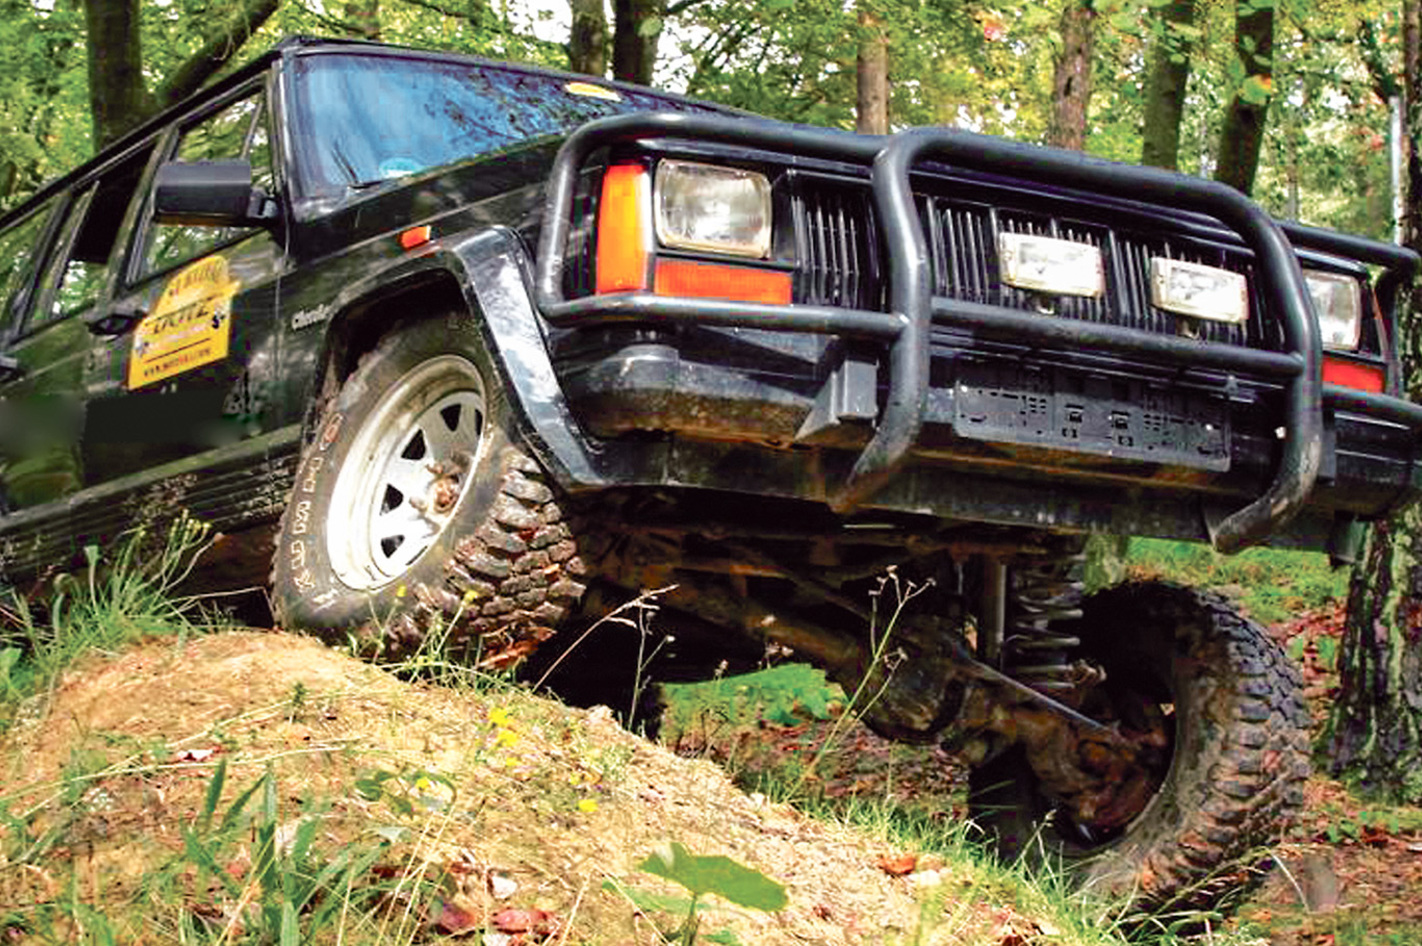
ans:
(888, 388)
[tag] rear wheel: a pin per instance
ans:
(1218, 709)
(418, 510)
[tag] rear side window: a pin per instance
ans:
(19, 245)
(88, 237)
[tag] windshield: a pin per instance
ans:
(359, 120)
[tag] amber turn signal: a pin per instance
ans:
(721, 281)
(622, 223)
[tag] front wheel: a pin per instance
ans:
(1223, 707)
(418, 511)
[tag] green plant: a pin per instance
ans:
(293, 890)
(700, 875)
(111, 601)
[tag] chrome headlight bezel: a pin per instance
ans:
(712, 208)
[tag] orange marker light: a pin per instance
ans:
(415, 236)
(1350, 374)
(720, 281)
(622, 222)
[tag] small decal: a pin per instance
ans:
(189, 326)
(588, 90)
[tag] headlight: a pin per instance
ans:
(1338, 300)
(1205, 292)
(1046, 264)
(706, 207)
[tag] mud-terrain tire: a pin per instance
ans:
(1237, 760)
(417, 509)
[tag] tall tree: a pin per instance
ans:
(118, 91)
(1172, 41)
(1376, 724)
(1242, 136)
(1071, 82)
(871, 69)
(587, 42)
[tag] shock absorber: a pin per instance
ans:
(1042, 591)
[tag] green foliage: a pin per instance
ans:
(1271, 585)
(785, 695)
(703, 874)
(700, 875)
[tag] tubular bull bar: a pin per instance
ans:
(914, 309)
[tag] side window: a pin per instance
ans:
(238, 131)
(18, 257)
(87, 239)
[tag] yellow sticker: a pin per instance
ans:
(188, 328)
(593, 91)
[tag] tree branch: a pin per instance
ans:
(217, 51)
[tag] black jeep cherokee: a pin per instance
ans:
(496, 348)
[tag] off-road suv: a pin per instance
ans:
(494, 349)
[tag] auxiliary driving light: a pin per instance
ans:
(708, 207)
(1046, 264)
(1205, 292)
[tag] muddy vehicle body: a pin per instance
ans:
(492, 350)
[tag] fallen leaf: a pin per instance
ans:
(521, 920)
(457, 916)
(898, 865)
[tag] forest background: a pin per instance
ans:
(1308, 105)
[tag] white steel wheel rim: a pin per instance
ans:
(407, 472)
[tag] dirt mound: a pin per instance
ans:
(476, 809)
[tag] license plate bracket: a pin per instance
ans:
(1061, 408)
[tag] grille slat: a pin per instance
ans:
(841, 262)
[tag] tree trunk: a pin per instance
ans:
(1071, 82)
(119, 97)
(1242, 135)
(1167, 75)
(587, 43)
(637, 27)
(1376, 723)
(363, 17)
(872, 68)
(117, 94)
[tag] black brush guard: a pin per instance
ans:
(914, 309)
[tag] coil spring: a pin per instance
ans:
(1041, 592)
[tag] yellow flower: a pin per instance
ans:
(587, 805)
(506, 739)
(400, 591)
(499, 716)
(423, 784)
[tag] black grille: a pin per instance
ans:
(840, 256)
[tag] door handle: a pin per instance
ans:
(116, 321)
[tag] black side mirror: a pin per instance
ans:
(212, 194)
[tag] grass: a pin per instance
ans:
(1270, 585)
(192, 788)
